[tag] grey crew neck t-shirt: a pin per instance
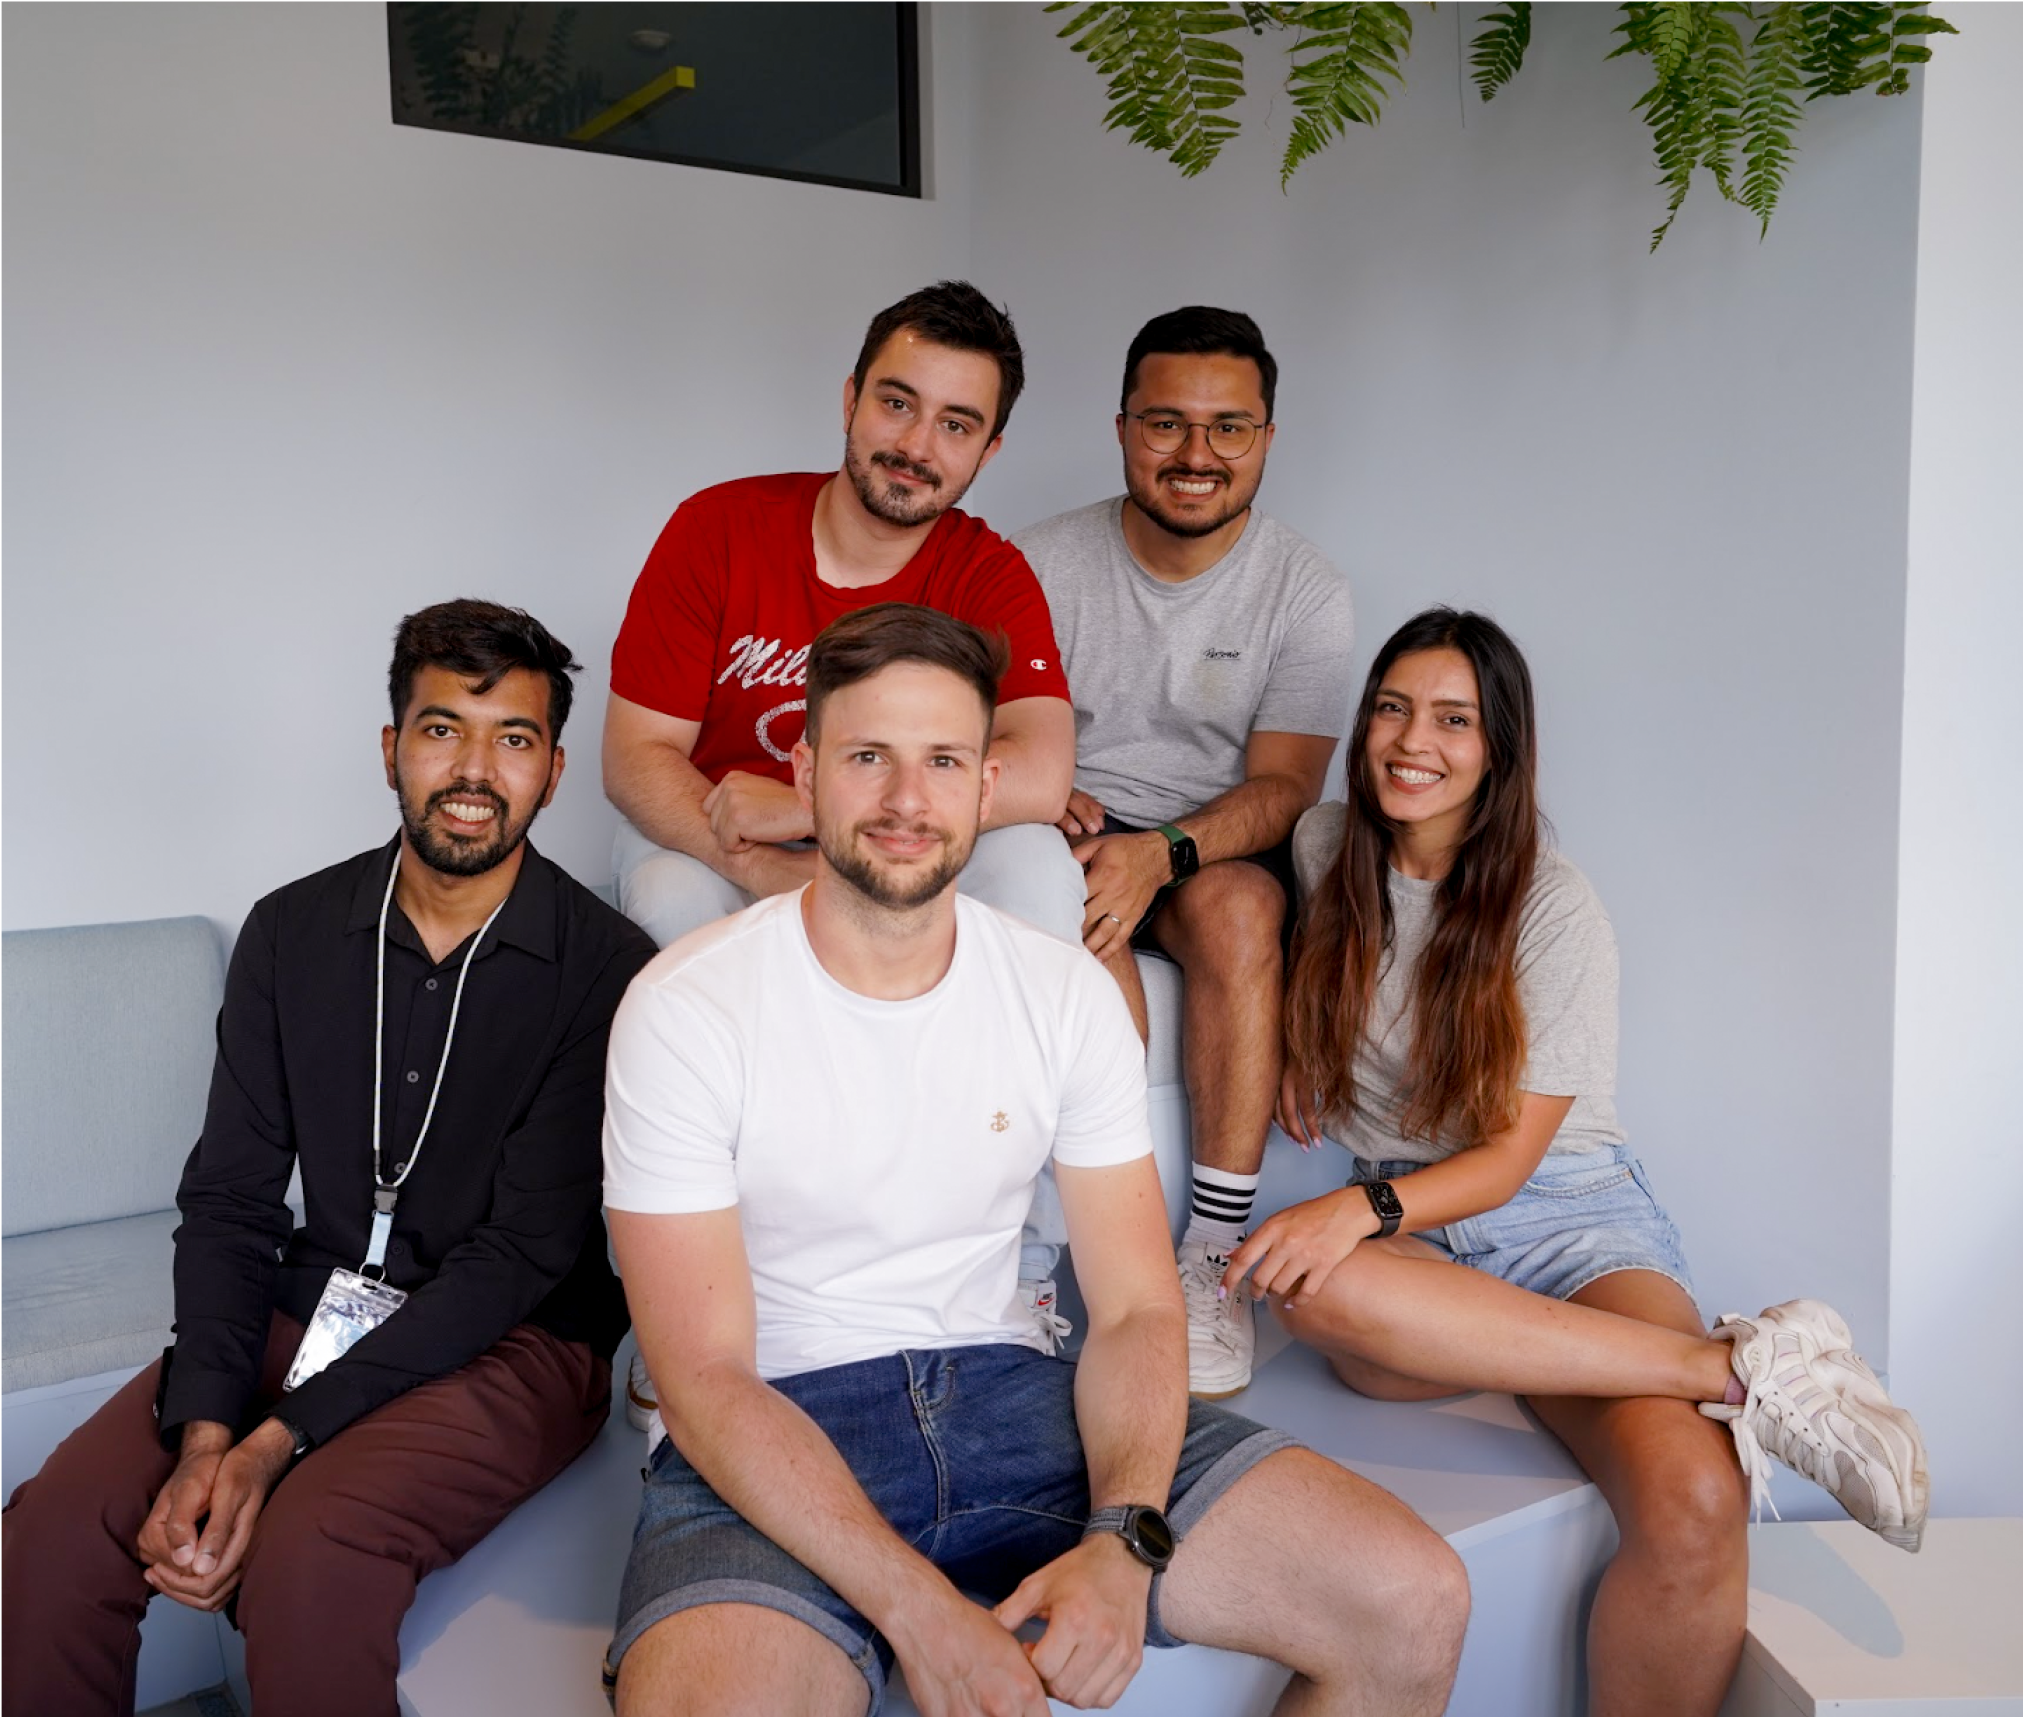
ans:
(1170, 680)
(1566, 981)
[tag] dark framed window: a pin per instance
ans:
(826, 93)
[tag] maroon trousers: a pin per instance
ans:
(340, 1546)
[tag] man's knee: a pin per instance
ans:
(1227, 918)
(737, 1660)
(1027, 870)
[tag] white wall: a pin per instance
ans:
(1956, 1283)
(279, 371)
(1679, 479)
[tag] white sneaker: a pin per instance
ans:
(640, 1402)
(1221, 1339)
(1814, 1405)
(1041, 1299)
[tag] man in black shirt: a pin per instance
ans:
(462, 986)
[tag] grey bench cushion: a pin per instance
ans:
(109, 1040)
(87, 1299)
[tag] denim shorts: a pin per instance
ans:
(1582, 1216)
(973, 1455)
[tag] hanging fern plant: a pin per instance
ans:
(1726, 77)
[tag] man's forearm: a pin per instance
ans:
(1032, 784)
(1252, 817)
(777, 1468)
(1131, 1404)
(664, 803)
(661, 793)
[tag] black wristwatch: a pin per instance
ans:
(1180, 849)
(1143, 1529)
(1384, 1201)
(295, 1432)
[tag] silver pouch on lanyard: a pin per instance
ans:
(352, 1306)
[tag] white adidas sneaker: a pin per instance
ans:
(1221, 1336)
(1814, 1405)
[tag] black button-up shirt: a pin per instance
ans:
(498, 1224)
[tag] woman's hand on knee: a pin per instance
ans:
(1292, 1112)
(1293, 1254)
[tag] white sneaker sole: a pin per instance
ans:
(639, 1411)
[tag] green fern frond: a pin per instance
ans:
(1847, 46)
(1909, 21)
(1337, 70)
(1720, 76)
(1170, 77)
(1770, 109)
(1667, 34)
(1498, 51)
(1674, 29)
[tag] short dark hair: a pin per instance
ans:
(1200, 329)
(953, 313)
(482, 642)
(868, 639)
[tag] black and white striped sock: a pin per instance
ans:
(1221, 1208)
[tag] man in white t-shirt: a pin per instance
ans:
(825, 1119)
(1208, 650)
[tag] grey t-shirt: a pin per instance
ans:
(1566, 981)
(1170, 680)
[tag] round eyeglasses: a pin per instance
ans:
(1167, 432)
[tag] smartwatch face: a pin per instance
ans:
(1386, 1199)
(1154, 1536)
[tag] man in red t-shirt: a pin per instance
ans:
(708, 670)
(708, 674)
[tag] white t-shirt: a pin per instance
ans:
(881, 1155)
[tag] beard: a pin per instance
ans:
(888, 501)
(1150, 499)
(456, 855)
(856, 867)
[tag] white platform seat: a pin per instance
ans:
(1839, 1621)
(520, 1625)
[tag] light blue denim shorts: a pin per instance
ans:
(1581, 1217)
(971, 1453)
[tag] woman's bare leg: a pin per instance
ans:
(1668, 1619)
(1431, 1321)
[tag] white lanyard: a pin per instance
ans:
(386, 1194)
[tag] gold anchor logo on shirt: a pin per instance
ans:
(999, 1122)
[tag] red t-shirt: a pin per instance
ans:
(725, 609)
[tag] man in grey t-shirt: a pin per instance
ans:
(1207, 650)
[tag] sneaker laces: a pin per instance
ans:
(1050, 1320)
(1775, 1411)
(1201, 1279)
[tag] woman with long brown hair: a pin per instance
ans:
(1451, 1020)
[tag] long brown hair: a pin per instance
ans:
(1468, 1035)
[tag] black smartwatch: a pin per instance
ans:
(296, 1433)
(1384, 1201)
(1180, 849)
(1143, 1529)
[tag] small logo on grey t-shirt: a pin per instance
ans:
(1212, 654)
